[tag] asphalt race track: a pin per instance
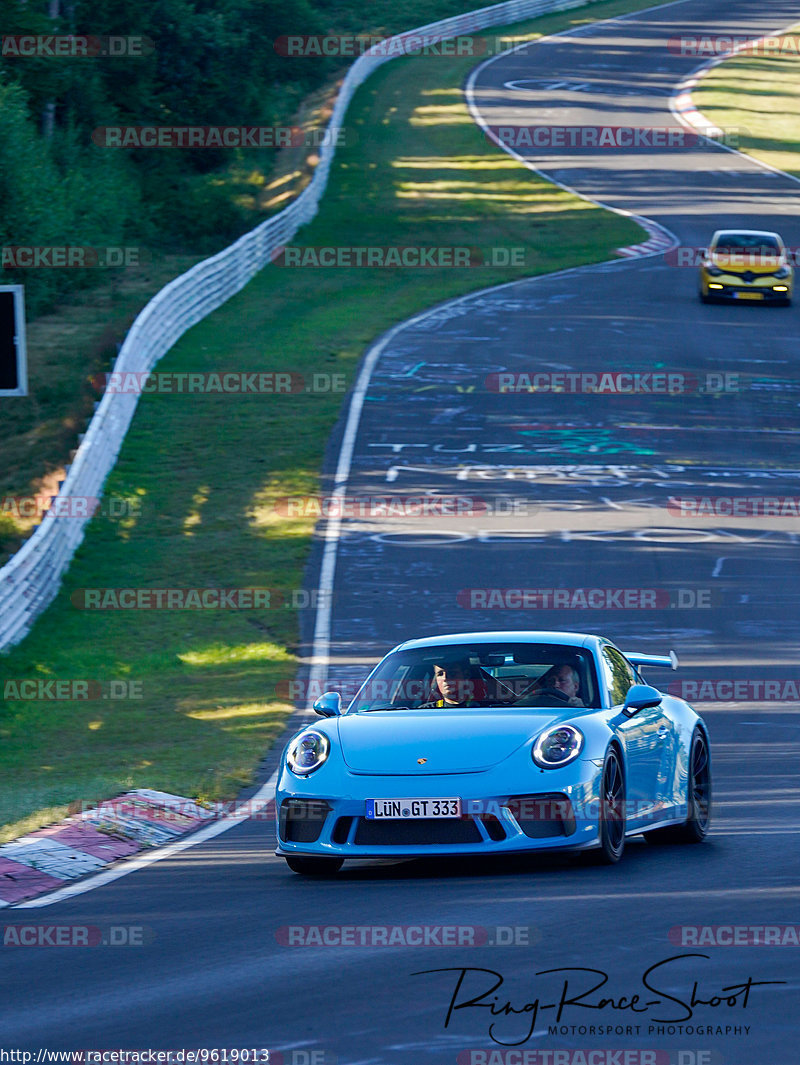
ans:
(566, 490)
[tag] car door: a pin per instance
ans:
(646, 735)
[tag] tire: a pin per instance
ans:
(612, 811)
(698, 799)
(314, 866)
(704, 298)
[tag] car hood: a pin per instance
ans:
(739, 263)
(450, 741)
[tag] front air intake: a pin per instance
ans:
(542, 816)
(301, 820)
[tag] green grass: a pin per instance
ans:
(206, 470)
(760, 97)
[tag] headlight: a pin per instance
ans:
(308, 752)
(711, 270)
(557, 747)
(784, 271)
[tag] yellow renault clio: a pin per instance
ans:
(746, 264)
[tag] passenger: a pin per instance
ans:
(559, 685)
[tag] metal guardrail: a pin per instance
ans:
(31, 578)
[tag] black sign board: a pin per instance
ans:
(13, 376)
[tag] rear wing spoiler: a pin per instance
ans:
(670, 660)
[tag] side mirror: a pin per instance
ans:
(329, 704)
(704, 253)
(639, 697)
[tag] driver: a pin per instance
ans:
(559, 685)
(455, 683)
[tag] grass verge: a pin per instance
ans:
(206, 471)
(759, 95)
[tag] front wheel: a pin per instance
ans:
(612, 810)
(314, 866)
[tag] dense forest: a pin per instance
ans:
(202, 63)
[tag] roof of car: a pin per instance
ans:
(747, 232)
(568, 639)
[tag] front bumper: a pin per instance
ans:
(729, 287)
(563, 815)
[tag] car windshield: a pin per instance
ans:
(747, 244)
(470, 676)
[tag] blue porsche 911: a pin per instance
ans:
(494, 743)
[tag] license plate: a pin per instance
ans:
(749, 296)
(411, 809)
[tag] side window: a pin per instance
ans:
(620, 675)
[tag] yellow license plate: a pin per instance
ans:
(749, 296)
